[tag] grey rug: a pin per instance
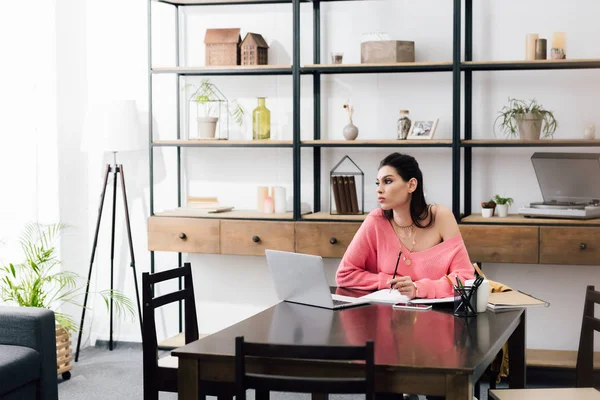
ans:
(101, 374)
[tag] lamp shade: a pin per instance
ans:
(113, 126)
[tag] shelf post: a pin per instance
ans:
(296, 106)
(456, 87)
(468, 122)
(317, 105)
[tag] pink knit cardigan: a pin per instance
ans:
(371, 257)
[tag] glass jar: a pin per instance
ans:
(404, 124)
(261, 121)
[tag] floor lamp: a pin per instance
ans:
(112, 128)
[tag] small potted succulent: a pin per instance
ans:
(487, 208)
(502, 204)
(525, 120)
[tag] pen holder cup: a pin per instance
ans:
(465, 302)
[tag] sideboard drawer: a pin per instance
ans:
(185, 235)
(253, 237)
(324, 239)
(564, 245)
(503, 244)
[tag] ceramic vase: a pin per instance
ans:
(350, 131)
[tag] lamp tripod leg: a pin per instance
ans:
(94, 246)
(112, 253)
(127, 222)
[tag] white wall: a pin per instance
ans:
(108, 60)
(28, 154)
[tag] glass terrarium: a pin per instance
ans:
(346, 188)
(208, 112)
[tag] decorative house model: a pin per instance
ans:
(222, 46)
(347, 188)
(255, 50)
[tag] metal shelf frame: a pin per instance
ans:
(461, 145)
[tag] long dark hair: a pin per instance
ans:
(408, 168)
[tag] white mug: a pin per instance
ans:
(483, 294)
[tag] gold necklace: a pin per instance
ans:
(413, 235)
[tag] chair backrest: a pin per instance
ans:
(265, 382)
(585, 353)
(158, 378)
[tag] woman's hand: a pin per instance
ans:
(404, 285)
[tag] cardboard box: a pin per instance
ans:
(387, 51)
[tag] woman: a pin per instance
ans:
(419, 243)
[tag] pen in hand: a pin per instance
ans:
(395, 269)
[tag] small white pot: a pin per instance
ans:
(502, 210)
(487, 212)
(207, 126)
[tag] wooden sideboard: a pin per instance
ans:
(502, 240)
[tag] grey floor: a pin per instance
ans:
(102, 374)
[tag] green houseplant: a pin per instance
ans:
(210, 101)
(525, 120)
(37, 281)
(502, 204)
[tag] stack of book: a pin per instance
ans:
(345, 195)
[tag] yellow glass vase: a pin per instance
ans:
(261, 121)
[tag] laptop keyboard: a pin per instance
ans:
(340, 303)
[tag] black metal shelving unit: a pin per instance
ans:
(467, 144)
(461, 145)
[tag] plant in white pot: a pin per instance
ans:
(502, 204)
(211, 105)
(487, 208)
(526, 121)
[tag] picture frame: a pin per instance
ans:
(423, 129)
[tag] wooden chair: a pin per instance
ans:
(160, 375)
(274, 380)
(585, 363)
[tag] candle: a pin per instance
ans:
(540, 49)
(279, 199)
(269, 205)
(260, 198)
(559, 40)
(530, 46)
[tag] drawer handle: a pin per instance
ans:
(182, 236)
(333, 240)
(255, 239)
(582, 246)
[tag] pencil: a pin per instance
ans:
(396, 268)
(449, 280)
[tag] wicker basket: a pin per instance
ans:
(63, 352)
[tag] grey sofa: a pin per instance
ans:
(27, 354)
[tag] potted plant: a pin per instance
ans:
(502, 204)
(527, 121)
(487, 208)
(210, 101)
(38, 281)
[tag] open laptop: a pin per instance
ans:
(300, 278)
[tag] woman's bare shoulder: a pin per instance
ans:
(445, 222)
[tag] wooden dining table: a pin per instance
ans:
(424, 352)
